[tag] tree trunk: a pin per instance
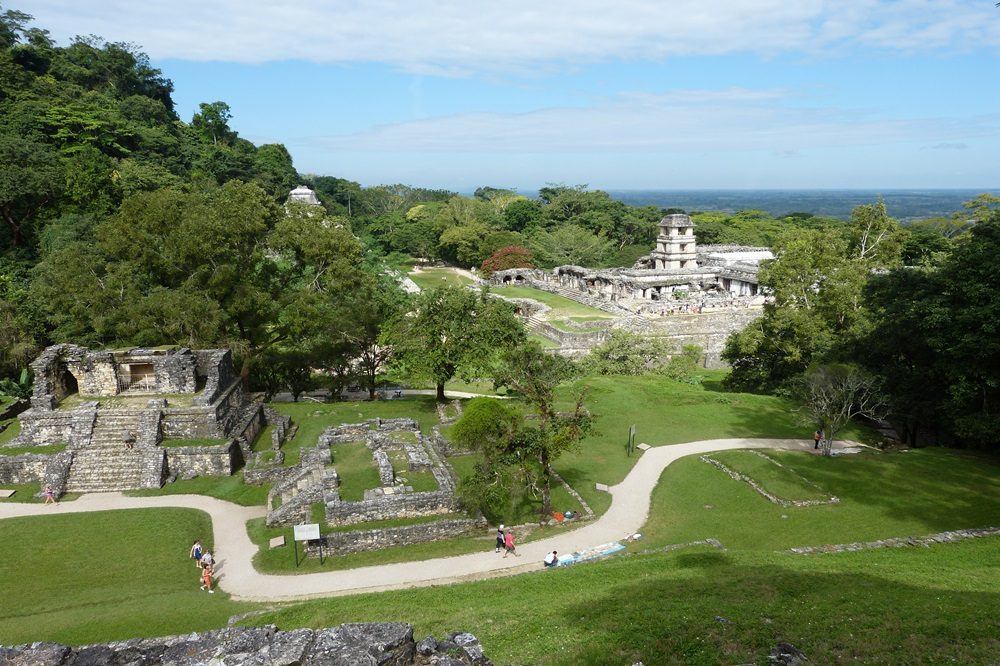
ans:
(440, 393)
(546, 493)
(245, 373)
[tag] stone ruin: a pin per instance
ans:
(384, 643)
(93, 401)
(297, 489)
(688, 293)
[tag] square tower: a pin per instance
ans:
(675, 246)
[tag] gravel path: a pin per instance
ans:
(234, 550)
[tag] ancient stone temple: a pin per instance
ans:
(303, 195)
(692, 294)
(113, 409)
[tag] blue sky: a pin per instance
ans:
(629, 94)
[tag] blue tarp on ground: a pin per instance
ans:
(589, 554)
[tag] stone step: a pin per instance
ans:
(94, 470)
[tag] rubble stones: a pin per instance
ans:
(374, 644)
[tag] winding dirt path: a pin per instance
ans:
(234, 551)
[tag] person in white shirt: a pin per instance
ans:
(551, 559)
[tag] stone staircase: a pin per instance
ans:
(105, 465)
(296, 494)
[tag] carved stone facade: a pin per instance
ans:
(111, 410)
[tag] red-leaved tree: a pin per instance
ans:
(512, 256)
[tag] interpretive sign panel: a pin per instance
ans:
(307, 532)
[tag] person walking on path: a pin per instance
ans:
(50, 495)
(508, 544)
(500, 539)
(196, 553)
(206, 579)
(817, 437)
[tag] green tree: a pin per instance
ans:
(535, 374)
(449, 331)
(31, 177)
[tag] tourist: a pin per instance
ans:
(508, 544)
(817, 436)
(206, 579)
(207, 561)
(50, 495)
(129, 439)
(500, 539)
(551, 559)
(196, 553)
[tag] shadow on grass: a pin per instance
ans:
(737, 614)
(943, 489)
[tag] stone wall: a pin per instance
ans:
(708, 330)
(42, 468)
(386, 475)
(382, 643)
(187, 462)
(25, 468)
(341, 543)
(41, 427)
(402, 505)
(215, 366)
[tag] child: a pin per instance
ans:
(50, 495)
(196, 553)
(206, 579)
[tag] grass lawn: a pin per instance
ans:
(561, 306)
(913, 493)
(85, 577)
(12, 430)
(428, 278)
(313, 417)
(925, 605)
(665, 412)
(228, 488)
(780, 480)
(16, 451)
(356, 469)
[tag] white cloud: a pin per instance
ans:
(456, 36)
(707, 121)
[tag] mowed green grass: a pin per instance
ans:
(561, 306)
(665, 412)
(313, 417)
(83, 577)
(913, 493)
(921, 605)
(428, 278)
(780, 480)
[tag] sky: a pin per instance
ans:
(622, 94)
